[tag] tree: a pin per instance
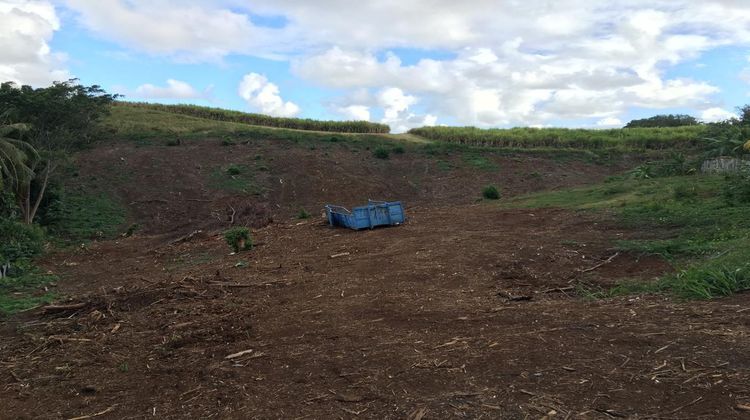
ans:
(670, 120)
(53, 121)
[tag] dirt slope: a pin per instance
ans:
(174, 189)
(466, 311)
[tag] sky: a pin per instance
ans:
(502, 63)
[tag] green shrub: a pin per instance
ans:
(303, 214)
(736, 188)
(239, 239)
(173, 142)
(491, 192)
(233, 170)
(228, 142)
(20, 241)
(399, 150)
(381, 153)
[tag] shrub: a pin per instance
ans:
(233, 170)
(381, 153)
(228, 142)
(20, 241)
(173, 142)
(491, 192)
(239, 239)
(736, 188)
(399, 150)
(303, 214)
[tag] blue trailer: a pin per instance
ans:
(375, 213)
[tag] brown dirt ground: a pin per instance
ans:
(419, 321)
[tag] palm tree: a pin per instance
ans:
(17, 157)
(19, 162)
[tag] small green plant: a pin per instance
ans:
(381, 153)
(123, 367)
(233, 170)
(131, 230)
(303, 214)
(173, 142)
(491, 192)
(239, 239)
(399, 150)
(228, 142)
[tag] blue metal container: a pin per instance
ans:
(375, 213)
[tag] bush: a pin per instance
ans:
(399, 150)
(381, 153)
(239, 239)
(736, 188)
(20, 241)
(228, 142)
(173, 142)
(491, 192)
(233, 170)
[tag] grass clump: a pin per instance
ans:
(238, 238)
(303, 214)
(25, 291)
(491, 192)
(381, 153)
(234, 178)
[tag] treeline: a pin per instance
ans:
(668, 120)
(264, 120)
(684, 137)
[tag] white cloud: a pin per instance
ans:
(175, 89)
(508, 62)
(396, 114)
(716, 114)
(355, 112)
(25, 32)
(609, 122)
(264, 96)
(187, 30)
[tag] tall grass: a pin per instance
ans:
(682, 138)
(219, 114)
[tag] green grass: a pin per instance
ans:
(24, 292)
(479, 161)
(87, 216)
(703, 235)
(235, 178)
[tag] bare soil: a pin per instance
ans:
(465, 311)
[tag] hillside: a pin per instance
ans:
(600, 275)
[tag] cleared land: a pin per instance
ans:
(473, 309)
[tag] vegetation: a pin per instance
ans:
(670, 120)
(239, 239)
(381, 153)
(491, 192)
(672, 138)
(264, 120)
(303, 214)
(707, 233)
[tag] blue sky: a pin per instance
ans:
(488, 64)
